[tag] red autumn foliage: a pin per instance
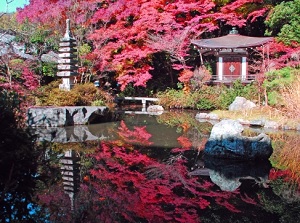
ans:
(30, 79)
(282, 55)
(120, 30)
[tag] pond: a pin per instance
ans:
(151, 168)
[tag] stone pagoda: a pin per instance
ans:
(67, 63)
(70, 169)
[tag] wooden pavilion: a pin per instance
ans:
(231, 52)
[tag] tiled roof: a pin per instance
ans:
(231, 41)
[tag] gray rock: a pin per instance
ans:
(226, 128)
(155, 108)
(271, 124)
(287, 127)
(210, 116)
(8, 46)
(257, 123)
(213, 116)
(65, 116)
(201, 115)
(226, 141)
(244, 122)
(50, 57)
(241, 103)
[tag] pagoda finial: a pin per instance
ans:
(68, 34)
(234, 31)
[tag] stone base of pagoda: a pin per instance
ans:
(67, 83)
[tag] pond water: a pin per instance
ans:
(150, 168)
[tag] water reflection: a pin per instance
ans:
(229, 174)
(70, 174)
(139, 170)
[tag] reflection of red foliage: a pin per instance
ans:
(137, 136)
(184, 142)
(138, 187)
(248, 199)
(57, 203)
(284, 174)
(224, 202)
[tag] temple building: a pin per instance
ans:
(231, 52)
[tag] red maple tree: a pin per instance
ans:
(125, 34)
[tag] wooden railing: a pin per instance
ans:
(232, 78)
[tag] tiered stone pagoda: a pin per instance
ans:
(67, 64)
(70, 175)
(231, 52)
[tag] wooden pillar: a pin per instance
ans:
(220, 68)
(244, 69)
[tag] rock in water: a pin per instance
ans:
(226, 141)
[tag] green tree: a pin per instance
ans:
(283, 22)
(276, 80)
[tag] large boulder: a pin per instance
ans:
(226, 141)
(67, 116)
(241, 103)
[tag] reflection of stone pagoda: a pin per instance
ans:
(67, 64)
(70, 175)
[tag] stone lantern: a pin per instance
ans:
(67, 63)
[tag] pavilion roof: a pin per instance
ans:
(231, 41)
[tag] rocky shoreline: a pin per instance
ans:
(260, 123)
(242, 104)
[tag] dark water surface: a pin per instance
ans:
(146, 168)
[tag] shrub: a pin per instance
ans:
(87, 93)
(278, 80)
(41, 95)
(58, 97)
(81, 95)
(172, 98)
(98, 103)
(208, 97)
(205, 104)
(227, 95)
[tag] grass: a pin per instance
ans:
(261, 113)
(286, 154)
